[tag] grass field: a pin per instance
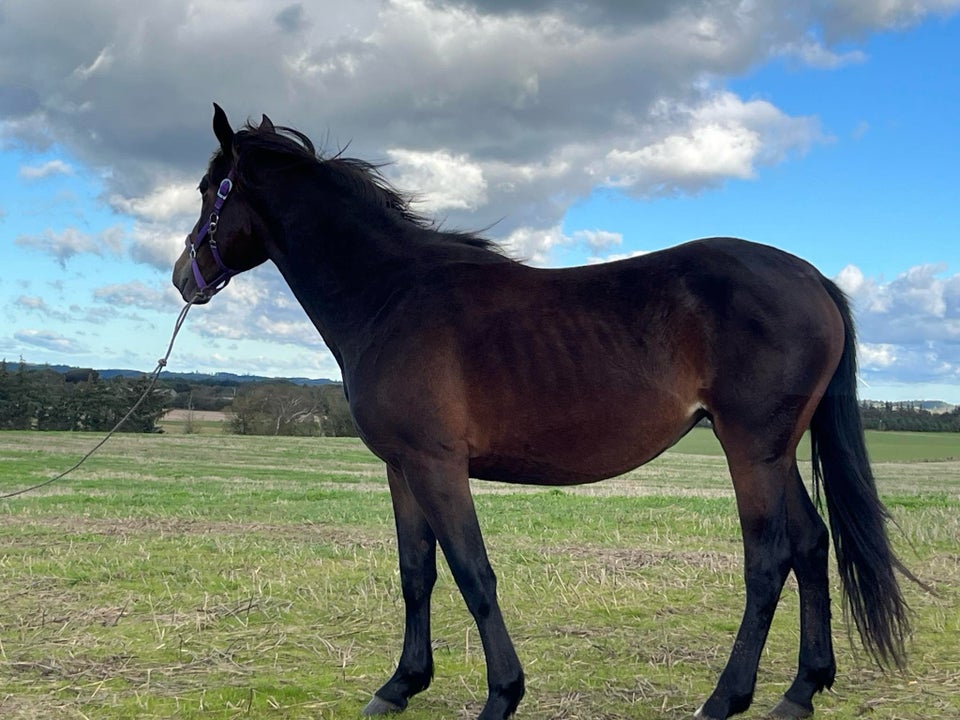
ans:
(216, 576)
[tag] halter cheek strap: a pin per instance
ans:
(207, 234)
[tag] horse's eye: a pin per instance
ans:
(204, 185)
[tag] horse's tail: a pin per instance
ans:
(865, 560)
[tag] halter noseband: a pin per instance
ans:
(207, 233)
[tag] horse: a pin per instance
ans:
(459, 361)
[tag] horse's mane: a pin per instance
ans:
(362, 178)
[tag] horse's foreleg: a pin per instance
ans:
(763, 519)
(417, 548)
(442, 490)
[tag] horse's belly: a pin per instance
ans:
(576, 457)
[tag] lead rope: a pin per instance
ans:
(161, 364)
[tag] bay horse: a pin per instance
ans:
(460, 362)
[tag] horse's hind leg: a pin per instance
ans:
(762, 503)
(417, 547)
(809, 544)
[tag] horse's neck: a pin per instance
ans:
(341, 272)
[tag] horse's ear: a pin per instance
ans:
(267, 124)
(222, 129)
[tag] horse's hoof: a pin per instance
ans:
(700, 715)
(789, 710)
(379, 706)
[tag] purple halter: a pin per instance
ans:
(207, 233)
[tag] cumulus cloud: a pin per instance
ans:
(441, 181)
(909, 327)
(719, 139)
(161, 203)
(162, 217)
(495, 112)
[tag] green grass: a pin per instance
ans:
(215, 576)
(896, 447)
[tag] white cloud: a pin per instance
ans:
(47, 169)
(166, 202)
(137, 294)
(32, 302)
(876, 356)
(48, 341)
(71, 242)
(163, 217)
(594, 260)
(850, 279)
(711, 152)
(100, 64)
(157, 244)
(719, 139)
(909, 327)
(258, 307)
(439, 180)
(813, 53)
(598, 240)
(37, 305)
(533, 244)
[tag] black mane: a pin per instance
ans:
(362, 178)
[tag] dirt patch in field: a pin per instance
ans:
(178, 415)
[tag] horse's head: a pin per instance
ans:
(230, 235)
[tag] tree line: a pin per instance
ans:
(908, 417)
(79, 399)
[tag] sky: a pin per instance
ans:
(575, 132)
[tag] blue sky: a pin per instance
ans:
(583, 134)
(880, 189)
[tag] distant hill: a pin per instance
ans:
(933, 406)
(220, 378)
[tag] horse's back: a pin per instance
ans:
(572, 375)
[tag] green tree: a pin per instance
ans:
(275, 409)
(17, 399)
(284, 408)
(336, 420)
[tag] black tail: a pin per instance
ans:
(865, 559)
